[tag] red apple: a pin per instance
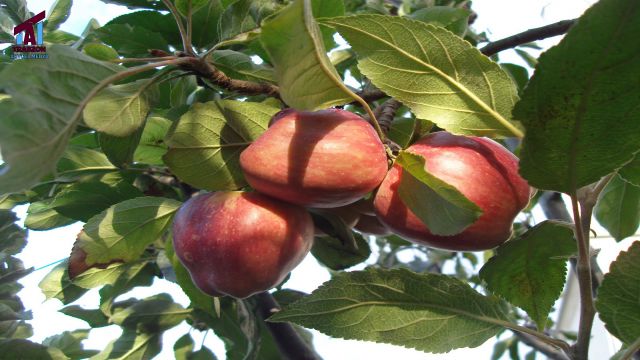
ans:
(370, 225)
(481, 169)
(321, 159)
(240, 243)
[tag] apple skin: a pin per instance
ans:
(322, 159)
(240, 243)
(481, 169)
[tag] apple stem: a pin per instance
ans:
(288, 340)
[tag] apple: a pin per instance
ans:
(240, 243)
(370, 225)
(481, 169)
(322, 159)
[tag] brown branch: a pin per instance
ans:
(289, 342)
(555, 29)
(209, 72)
(554, 208)
(583, 270)
(386, 112)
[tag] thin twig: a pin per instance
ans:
(550, 351)
(117, 77)
(555, 29)
(189, 24)
(544, 338)
(631, 350)
(587, 308)
(186, 44)
(149, 59)
(288, 340)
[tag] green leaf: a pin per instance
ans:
(332, 253)
(181, 88)
(70, 343)
(17, 10)
(519, 74)
(237, 65)
(77, 161)
(120, 150)
(402, 130)
(60, 37)
(244, 15)
(132, 345)
(230, 327)
(401, 308)
(205, 24)
(41, 216)
(13, 238)
(38, 120)
(123, 231)
(56, 285)
(120, 110)
(154, 21)
(198, 299)
(152, 314)
(136, 274)
(203, 354)
(189, 6)
(617, 301)
(631, 171)
(303, 71)
(25, 349)
(131, 40)
(183, 347)
(100, 51)
(439, 76)
(152, 147)
(58, 14)
(530, 270)
(618, 208)
(94, 317)
(6, 27)
(441, 207)
(584, 93)
(85, 199)
(450, 18)
(205, 146)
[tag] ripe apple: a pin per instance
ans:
(323, 159)
(481, 169)
(240, 243)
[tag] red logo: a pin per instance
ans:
(30, 39)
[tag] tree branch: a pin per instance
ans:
(554, 208)
(212, 74)
(530, 35)
(186, 44)
(583, 270)
(289, 342)
(550, 351)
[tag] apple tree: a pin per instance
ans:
(121, 127)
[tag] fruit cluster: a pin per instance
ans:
(241, 243)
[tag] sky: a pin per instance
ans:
(499, 18)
